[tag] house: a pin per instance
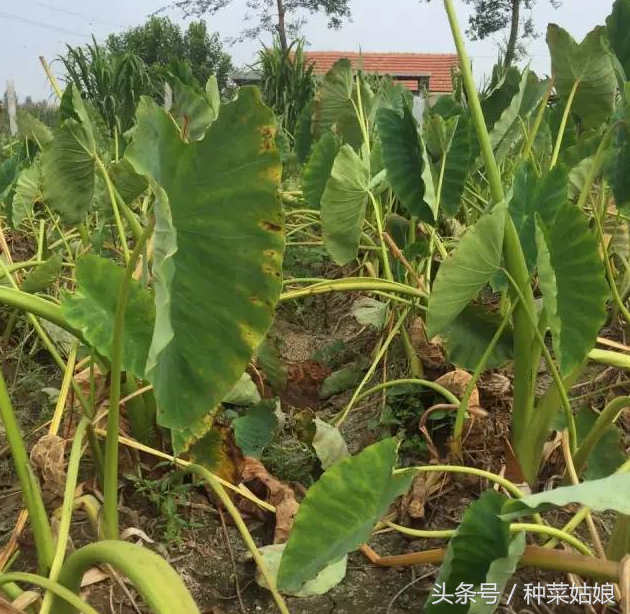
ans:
(419, 72)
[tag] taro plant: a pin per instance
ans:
(197, 185)
(514, 195)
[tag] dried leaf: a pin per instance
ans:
(456, 382)
(7, 608)
(431, 353)
(422, 487)
(94, 575)
(280, 495)
(47, 456)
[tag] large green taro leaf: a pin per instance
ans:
(92, 310)
(468, 336)
(481, 539)
(611, 493)
(317, 170)
(405, 159)
(343, 205)
(618, 28)
(573, 284)
(333, 99)
(68, 161)
(218, 250)
(340, 511)
(456, 169)
(463, 274)
(587, 63)
(531, 195)
(33, 129)
(508, 130)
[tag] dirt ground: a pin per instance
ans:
(209, 553)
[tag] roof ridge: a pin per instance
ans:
(381, 53)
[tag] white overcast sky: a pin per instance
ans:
(30, 28)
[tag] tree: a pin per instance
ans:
(492, 16)
(280, 17)
(159, 42)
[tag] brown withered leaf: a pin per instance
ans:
(431, 353)
(304, 380)
(47, 457)
(280, 495)
(7, 608)
(456, 382)
(423, 486)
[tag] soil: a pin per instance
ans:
(209, 553)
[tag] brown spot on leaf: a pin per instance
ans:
(270, 226)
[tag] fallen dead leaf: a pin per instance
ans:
(94, 575)
(280, 495)
(7, 608)
(26, 599)
(47, 456)
(456, 382)
(431, 353)
(423, 486)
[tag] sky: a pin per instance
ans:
(30, 28)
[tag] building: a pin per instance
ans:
(419, 72)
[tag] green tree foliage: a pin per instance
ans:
(278, 16)
(159, 42)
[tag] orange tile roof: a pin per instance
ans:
(437, 66)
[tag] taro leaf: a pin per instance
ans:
(9, 170)
(27, 192)
(333, 99)
(213, 95)
(405, 159)
(370, 312)
(499, 99)
(578, 176)
(92, 310)
(611, 493)
(255, 430)
(456, 170)
(317, 170)
(218, 250)
(481, 538)
(271, 364)
(340, 381)
(326, 579)
(617, 171)
(569, 262)
(463, 274)
(438, 134)
(343, 205)
(33, 129)
(587, 63)
(42, 276)
(243, 393)
(606, 457)
(192, 109)
(128, 183)
(531, 195)
(618, 29)
(619, 543)
(340, 511)
(69, 161)
(499, 574)
(468, 336)
(508, 129)
(328, 443)
(390, 95)
(303, 134)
